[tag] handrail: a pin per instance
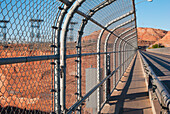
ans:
(161, 92)
(13, 60)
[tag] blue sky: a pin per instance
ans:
(154, 14)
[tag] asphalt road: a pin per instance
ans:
(160, 64)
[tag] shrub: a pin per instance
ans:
(155, 46)
(158, 46)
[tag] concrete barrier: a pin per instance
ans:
(160, 50)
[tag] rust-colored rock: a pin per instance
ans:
(165, 40)
(148, 36)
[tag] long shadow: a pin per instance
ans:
(129, 96)
(162, 55)
(121, 98)
(133, 110)
(16, 110)
(155, 69)
(159, 60)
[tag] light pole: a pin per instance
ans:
(71, 37)
(141, 2)
(144, 1)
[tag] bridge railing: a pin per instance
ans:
(156, 86)
(46, 47)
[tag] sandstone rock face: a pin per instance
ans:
(148, 36)
(165, 40)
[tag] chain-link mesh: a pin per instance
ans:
(26, 27)
(33, 29)
(89, 39)
(26, 30)
(26, 86)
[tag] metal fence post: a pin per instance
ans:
(108, 80)
(78, 46)
(119, 63)
(63, 52)
(57, 28)
(115, 54)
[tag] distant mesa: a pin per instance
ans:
(146, 36)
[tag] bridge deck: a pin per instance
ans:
(132, 94)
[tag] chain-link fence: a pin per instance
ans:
(48, 46)
(26, 31)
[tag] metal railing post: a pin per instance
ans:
(63, 53)
(119, 62)
(108, 73)
(57, 28)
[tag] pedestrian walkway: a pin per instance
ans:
(131, 96)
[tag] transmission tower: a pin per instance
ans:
(4, 30)
(35, 24)
(71, 35)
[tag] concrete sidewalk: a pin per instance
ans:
(131, 96)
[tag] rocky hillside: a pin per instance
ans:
(165, 40)
(148, 36)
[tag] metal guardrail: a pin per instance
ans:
(153, 81)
